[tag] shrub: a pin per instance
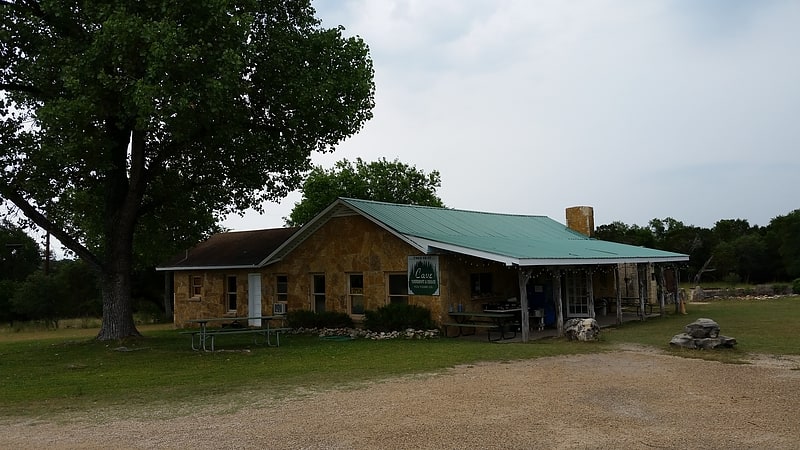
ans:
(398, 317)
(331, 319)
(781, 289)
(309, 319)
(796, 286)
(732, 279)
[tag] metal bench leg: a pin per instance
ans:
(198, 341)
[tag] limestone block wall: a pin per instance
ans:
(346, 245)
(212, 302)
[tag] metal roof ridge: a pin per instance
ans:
(444, 208)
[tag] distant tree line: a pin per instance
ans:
(732, 251)
(31, 290)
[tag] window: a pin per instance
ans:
(231, 293)
(481, 284)
(318, 292)
(282, 288)
(356, 293)
(398, 288)
(197, 286)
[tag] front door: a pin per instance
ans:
(254, 298)
(577, 295)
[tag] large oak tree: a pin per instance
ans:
(130, 127)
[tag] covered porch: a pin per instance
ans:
(608, 293)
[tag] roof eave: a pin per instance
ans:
(431, 246)
(188, 268)
(598, 261)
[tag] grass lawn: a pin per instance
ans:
(46, 372)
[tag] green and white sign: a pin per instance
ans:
(423, 275)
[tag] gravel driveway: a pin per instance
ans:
(633, 398)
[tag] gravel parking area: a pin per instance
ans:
(632, 398)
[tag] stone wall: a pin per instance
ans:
(212, 302)
(761, 290)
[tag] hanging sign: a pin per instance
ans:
(423, 275)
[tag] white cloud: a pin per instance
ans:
(640, 109)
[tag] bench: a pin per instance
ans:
(212, 334)
(632, 304)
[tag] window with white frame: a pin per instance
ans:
(197, 286)
(356, 293)
(231, 294)
(318, 292)
(397, 284)
(282, 288)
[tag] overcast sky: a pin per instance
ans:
(687, 109)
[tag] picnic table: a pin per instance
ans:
(204, 334)
(490, 321)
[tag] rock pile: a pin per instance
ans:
(367, 334)
(582, 329)
(702, 334)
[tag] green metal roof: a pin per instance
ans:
(510, 238)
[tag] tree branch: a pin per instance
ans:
(16, 87)
(39, 219)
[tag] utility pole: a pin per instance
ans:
(47, 254)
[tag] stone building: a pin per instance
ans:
(359, 255)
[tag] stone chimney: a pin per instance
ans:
(581, 219)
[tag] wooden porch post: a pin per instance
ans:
(677, 289)
(557, 300)
(524, 276)
(641, 274)
(590, 292)
(619, 295)
(662, 287)
(168, 296)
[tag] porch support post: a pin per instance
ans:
(557, 300)
(641, 275)
(169, 296)
(590, 292)
(619, 295)
(677, 289)
(524, 276)
(662, 289)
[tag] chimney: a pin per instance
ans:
(581, 219)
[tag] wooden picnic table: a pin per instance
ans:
(204, 334)
(478, 319)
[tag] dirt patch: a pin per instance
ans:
(633, 398)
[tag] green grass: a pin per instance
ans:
(759, 326)
(63, 371)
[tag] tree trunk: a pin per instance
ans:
(118, 320)
(123, 196)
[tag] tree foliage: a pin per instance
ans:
(20, 255)
(382, 180)
(784, 236)
(129, 128)
(68, 290)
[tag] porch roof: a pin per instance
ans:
(524, 240)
